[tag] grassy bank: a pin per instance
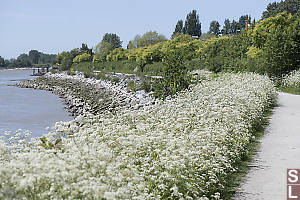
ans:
(291, 83)
(291, 90)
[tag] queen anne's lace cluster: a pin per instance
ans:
(292, 79)
(181, 148)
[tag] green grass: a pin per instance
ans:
(234, 180)
(291, 90)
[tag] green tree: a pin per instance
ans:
(226, 28)
(65, 59)
(24, 60)
(175, 71)
(82, 58)
(132, 44)
(192, 25)
(234, 27)
(214, 28)
(102, 50)
(276, 44)
(178, 29)
(34, 56)
(2, 62)
(60, 57)
(84, 49)
(116, 55)
(66, 62)
(289, 6)
(47, 58)
(149, 38)
(225, 53)
(112, 39)
(243, 20)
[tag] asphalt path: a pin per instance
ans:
(279, 150)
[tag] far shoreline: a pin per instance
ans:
(22, 68)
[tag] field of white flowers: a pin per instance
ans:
(292, 79)
(182, 148)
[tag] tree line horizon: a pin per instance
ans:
(148, 38)
(111, 41)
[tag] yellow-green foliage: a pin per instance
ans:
(96, 58)
(101, 51)
(224, 53)
(117, 54)
(266, 28)
(132, 53)
(156, 52)
(149, 54)
(185, 44)
(254, 52)
(60, 57)
(210, 45)
(276, 44)
(82, 57)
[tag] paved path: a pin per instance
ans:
(280, 149)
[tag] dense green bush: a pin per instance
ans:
(175, 74)
(276, 45)
(116, 54)
(82, 58)
(194, 64)
(224, 53)
(154, 69)
(131, 85)
(271, 47)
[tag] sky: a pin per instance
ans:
(53, 26)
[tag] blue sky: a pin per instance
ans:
(51, 26)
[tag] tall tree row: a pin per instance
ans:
(192, 26)
(28, 60)
(289, 6)
(214, 28)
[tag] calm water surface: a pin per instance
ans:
(27, 109)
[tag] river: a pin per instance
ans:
(27, 109)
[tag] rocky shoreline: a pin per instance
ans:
(86, 96)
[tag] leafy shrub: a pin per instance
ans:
(131, 85)
(154, 69)
(101, 76)
(88, 74)
(82, 58)
(175, 76)
(70, 72)
(276, 44)
(116, 54)
(224, 53)
(145, 85)
(115, 80)
(194, 64)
